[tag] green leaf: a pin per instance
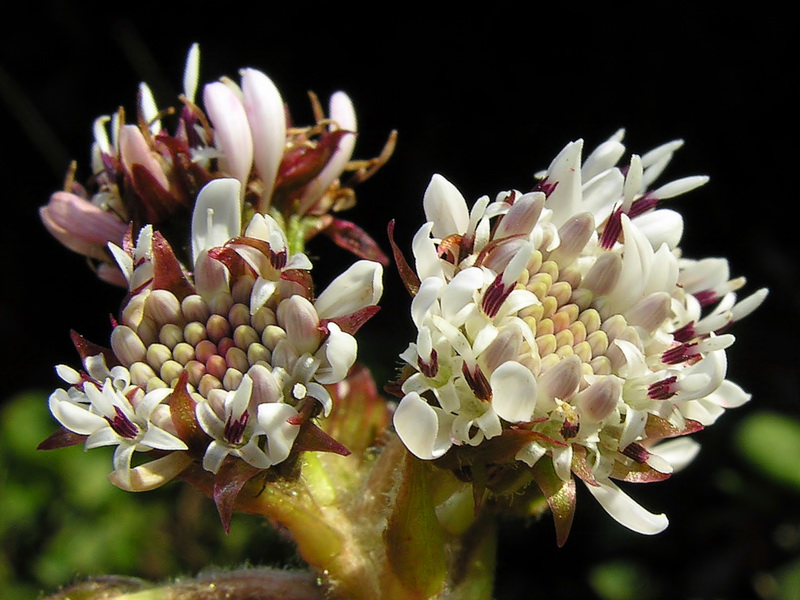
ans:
(771, 442)
(414, 539)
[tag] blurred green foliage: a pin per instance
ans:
(62, 521)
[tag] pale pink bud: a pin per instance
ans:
(134, 150)
(80, 225)
(267, 118)
(231, 129)
(599, 400)
(299, 319)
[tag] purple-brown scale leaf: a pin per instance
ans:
(167, 271)
(61, 438)
(229, 481)
(560, 496)
(407, 274)
(351, 237)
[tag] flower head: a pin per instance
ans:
(561, 329)
(151, 174)
(230, 370)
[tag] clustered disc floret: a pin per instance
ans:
(566, 320)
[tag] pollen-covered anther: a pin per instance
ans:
(122, 425)
(693, 351)
(663, 389)
(429, 368)
(477, 381)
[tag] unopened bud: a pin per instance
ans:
(127, 346)
(598, 400)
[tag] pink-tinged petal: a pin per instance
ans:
(445, 207)
(274, 419)
(134, 150)
(80, 225)
(623, 509)
(339, 353)
(231, 129)
(153, 474)
(217, 216)
(267, 118)
(513, 392)
(420, 428)
(341, 111)
(359, 286)
(300, 322)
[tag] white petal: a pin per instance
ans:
(565, 170)
(626, 511)
(191, 72)
(445, 207)
(157, 438)
(103, 437)
(315, 390)
(272, 418)
(262, 291)
(215, 454)
(513, 392)
(458, 296)
(253, 455)
(358, 287)
(339, 351)
(426, 260)
(68, 374)
(661, 227)
(680, 186)
(217, 216)
(151, 475)
(420, 429)
(425, 300)
(678, 452)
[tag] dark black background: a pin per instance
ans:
(486, 100)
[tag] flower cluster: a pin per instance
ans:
(223, 348)
(147, 173)
(561, 329)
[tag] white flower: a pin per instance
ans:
(237, 425)
(567, 313)
(111, 412)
